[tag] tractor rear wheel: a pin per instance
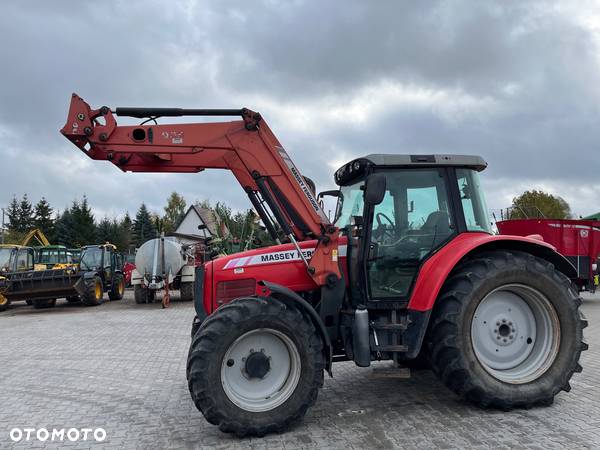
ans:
(506, 331)
(93, 294)
(117, 289)
(142, 294)
(255, 366)
(186, 291)
(44, 304)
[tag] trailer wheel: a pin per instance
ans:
(44, 304)
(507, 331)
(142, 294)
(255, 366)
(93, 294)
(117, 289)
(186, 291)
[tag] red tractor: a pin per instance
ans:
(409, 270)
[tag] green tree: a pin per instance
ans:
(64, 229)
(539, 204)
(174, 212)
(25, 220)
(43, 217)
(143, 226)
(124, 233)
(83, 223)
(12, 213)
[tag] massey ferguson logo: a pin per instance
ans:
(285, 256)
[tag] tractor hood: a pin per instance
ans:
(237, 275)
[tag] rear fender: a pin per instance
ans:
(436, 270)
(289, 297)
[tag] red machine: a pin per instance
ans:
(577, 240)
(409, 270)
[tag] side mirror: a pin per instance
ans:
(334, 193)
(374, 189)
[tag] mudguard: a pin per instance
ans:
(288, 296)
(436, 269)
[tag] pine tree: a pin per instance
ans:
(43, 217)
(125, 233)
(64, 230)
(25, 219)
(143, 226)
(83, 223)
(12, 213)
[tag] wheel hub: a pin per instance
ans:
(260, 370)
(514, 333)
(257, 365)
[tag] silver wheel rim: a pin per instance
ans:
(515, 333)
(260, 394)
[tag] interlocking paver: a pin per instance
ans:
(121, 367)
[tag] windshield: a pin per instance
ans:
(53, 256)
(91, 258)
(5, 259)
(350, 203)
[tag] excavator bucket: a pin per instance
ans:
(43, 284)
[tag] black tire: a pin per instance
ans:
(196, 324)
(4, 303)
(29, 302)
(44, 304)
(143, 295)
(453, 357)
(74, 299)
(117, 289)
(93, 294)
(186, 291)
(210, 344)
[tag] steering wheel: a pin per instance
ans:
(386, 232)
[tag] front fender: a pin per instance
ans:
(436, 269)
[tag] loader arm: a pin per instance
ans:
(246, 147)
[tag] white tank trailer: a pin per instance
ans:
(159, 261)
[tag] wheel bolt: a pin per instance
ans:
(503, 320)
(504, 340)
(251, 350)
(497, 324)
(497, 337)
(262, 350)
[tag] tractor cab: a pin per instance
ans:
(53, 257)
(397, 210)
(15, 258)
(101, 258)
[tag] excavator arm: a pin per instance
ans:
(38, 235)
(248, 148)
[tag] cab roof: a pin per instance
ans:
(470, 161)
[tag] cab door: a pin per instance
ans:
(414, 219)
(108, 265)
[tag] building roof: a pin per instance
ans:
(595, 216)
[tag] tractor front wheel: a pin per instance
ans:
(255, 366)
(4, 303)
(93, 294)
(506, 331)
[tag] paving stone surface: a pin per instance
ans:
(121, 367)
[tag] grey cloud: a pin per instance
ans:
(536, 66)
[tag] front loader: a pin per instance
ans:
(409, 269)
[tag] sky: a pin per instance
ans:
(516, 82)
